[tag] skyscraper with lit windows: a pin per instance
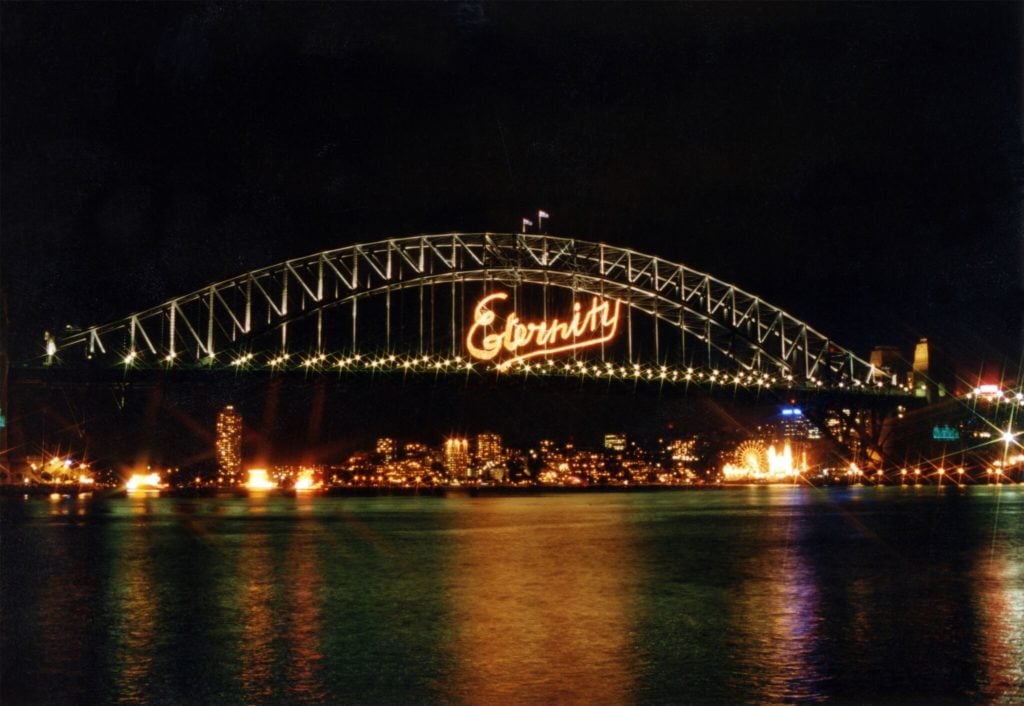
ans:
(456, 457)
(229, 445)
(488, 448)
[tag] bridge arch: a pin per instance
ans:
(696, 325)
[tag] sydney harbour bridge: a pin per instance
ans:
(495, 305)
(444, 302)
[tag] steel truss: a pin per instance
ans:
(734, 324)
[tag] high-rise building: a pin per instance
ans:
(488, 448)
(456, 457)
(794, 425)
(387, 449)
(615, 442)
(229, 445)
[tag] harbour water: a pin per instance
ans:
(746, 595)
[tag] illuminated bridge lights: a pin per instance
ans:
(391, 361)
(611, 288)
(243, 359)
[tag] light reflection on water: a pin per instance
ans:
(999, 603)
(256, 584)
(775, 617)
(303, 674)
(542, 602)
(759, 596)
(133, 604)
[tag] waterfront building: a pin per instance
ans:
(229, 445)
(683, 453)
(489, 449)
(456, 457)
(615, 442)
(387, 449)
(422, 453)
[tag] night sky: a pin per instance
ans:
(856, 164)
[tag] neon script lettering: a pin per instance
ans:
(523, 340)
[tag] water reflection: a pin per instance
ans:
(999, 604)
(541, 598)
(710, 597)
(305, 607)
(775, 614)
(134, 606)
(64, 622)
(280, 585)
(256, 583)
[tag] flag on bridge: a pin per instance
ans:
(526, 222)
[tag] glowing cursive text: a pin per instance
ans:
(597, 325)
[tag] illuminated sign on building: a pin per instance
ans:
(945, 432)
(523, 340)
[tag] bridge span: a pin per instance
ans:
(480, 303)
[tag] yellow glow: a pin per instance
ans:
(144, 482)
(305, 481)
(259, 480)
(597, 325)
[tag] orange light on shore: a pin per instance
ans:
(305, 481)
(144, 483)
(259, 480)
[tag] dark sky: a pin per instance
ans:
(856, 164)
